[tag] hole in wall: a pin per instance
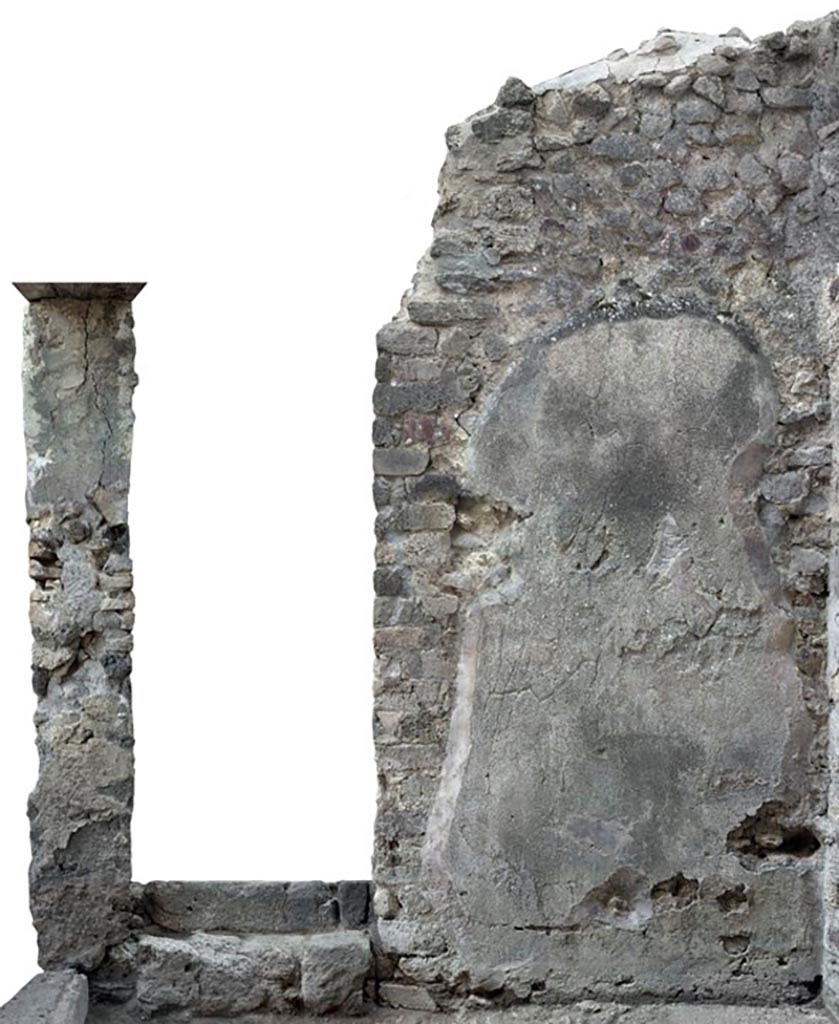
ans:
(766, 833)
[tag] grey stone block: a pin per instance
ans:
(502, 123)
(787, 97)
(409, 997)
(218, 975)
(392, 399)
(399, 461)
(334, 968)
(436, 516)
(621, 146)
(353, 903)
(401, 337)
(515, 93)
(698, 111)
(388, 582)
(445, 312)
(279, 907)
(746, 80)
(55, 997)
(228, 975)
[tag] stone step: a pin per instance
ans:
(226, 975)
(263, 907)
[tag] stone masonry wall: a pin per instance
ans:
(605, 629)
(631, 265)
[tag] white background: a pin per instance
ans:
(270, 170)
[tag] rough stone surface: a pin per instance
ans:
(218, 975)
(606, 589)
(602, 711)
(632, 520)
(399, 461)
(57, 997)
(78, 382)
(228, 975)
(586, 1013)
(298, 907)
(353, 903)
(80, 290)
(334, 968)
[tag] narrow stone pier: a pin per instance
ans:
(78, 382)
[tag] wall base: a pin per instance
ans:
(586, 1013)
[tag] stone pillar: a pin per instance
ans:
(78, 381)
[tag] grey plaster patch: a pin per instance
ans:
(588, 767)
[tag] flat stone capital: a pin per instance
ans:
(125, 291)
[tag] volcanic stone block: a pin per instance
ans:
(57, 997)
(334, 968)
(225, 975)
(409, 997)
(281, 907)
(353, 903)
(399, 461)
(218, 974)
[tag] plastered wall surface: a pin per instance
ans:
(619, 731)
(603, 455)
